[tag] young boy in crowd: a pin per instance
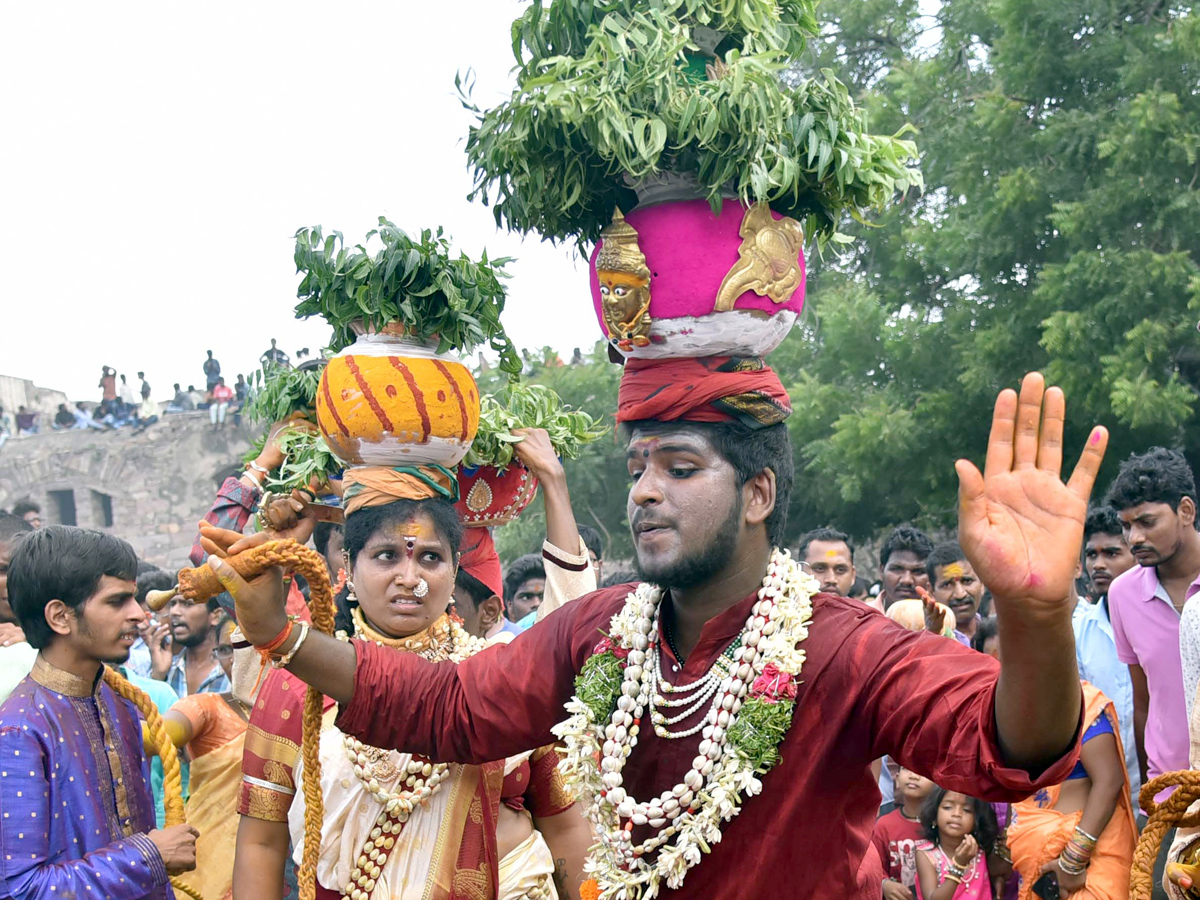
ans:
(897, 833)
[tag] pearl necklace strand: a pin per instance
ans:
(642, 677)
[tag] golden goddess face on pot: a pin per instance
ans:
(388, 572)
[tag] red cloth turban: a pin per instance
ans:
(712, 389)
(477, 556)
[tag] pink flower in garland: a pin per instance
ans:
(773, 685)
(607, 646)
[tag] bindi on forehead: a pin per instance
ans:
(954, 570)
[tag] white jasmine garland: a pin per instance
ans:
(687, 819)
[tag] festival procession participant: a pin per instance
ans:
(394, 824)
(212, 726)
(76, 813)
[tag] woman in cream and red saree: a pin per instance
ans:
(472, 833)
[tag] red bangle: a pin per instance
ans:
(279, 640)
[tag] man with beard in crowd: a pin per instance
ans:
(829, 554)
(902, 565)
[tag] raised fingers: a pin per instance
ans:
(1084, 476)
(1050, 444)
(1029, 417)
(1000, 440)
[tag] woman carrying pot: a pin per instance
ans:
(474, 831)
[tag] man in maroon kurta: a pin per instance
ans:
(703, 529)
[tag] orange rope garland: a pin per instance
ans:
(172, 777)
(1161, 817)
(201, 583)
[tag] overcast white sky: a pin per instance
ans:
(157, 158)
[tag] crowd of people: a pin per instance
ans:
(122, 406)
(1137, 645)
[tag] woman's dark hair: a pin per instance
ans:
(1157, 476)
(984, 629)
(985, 830)
(60, 562)
(748, 450)
(362, 525)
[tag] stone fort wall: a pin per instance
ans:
(149, 489)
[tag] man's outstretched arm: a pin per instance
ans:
(1022, 530)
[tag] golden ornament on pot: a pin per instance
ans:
(624, 284)
(768, 259)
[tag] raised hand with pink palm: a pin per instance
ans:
(1021, 528)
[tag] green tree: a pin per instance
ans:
(1057, 232)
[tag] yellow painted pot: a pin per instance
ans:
(392, 401)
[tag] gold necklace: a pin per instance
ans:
(436, 638)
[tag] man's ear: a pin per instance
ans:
(490, 611)
(758, 497)
(1187, 511)
(60, 617)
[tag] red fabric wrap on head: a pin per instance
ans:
(477, 556)
(712, 389)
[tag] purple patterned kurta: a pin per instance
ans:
(75, 801)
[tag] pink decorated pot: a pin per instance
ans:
(489, 496)
(676, 280)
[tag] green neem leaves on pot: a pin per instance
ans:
(435, 295)
(528, 406)
(614, 91)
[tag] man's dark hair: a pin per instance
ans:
(11, 526)
(476, 589)
(154, 580)
(26, 506)
(60, 562)
(860, 587)
(942, 555)
(985, 830)
(141, 374)
(985, 629)
(748, 450)
(591, 539)
(902, 538)
(520, 571)
(321, 535)
(1102, 520)
(1156, 476)
(830, 535)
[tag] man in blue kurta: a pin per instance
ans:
(76, 812)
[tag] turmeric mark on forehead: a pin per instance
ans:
(954, 570)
